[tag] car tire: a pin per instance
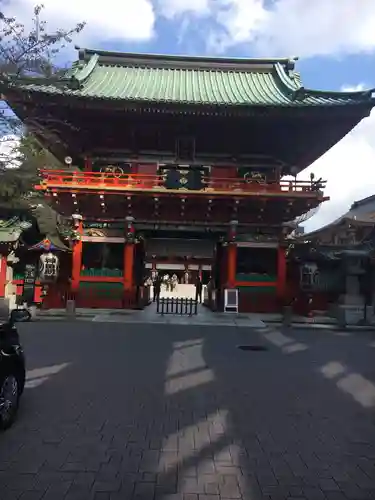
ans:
(21, 315)
(9, 400)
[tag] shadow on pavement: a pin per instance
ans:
(151, 412)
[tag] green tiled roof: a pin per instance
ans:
(11, 229)
(189, 80)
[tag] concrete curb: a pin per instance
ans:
(324, 326)
(60, 318)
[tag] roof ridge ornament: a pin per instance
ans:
(77, 80)
(299, 94)
(292, 63)
(287, 80)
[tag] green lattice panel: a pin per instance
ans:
(102, 273)
(102, 290)
(256, 278)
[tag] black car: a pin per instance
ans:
(12, 371)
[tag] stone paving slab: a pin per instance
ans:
(166, 320)
(149, 315)
(170, 319)
(164, 413)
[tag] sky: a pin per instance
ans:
(334, 40)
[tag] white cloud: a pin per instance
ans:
(175, 8)
(8, 151)
(239, 21)
(349, 168)
(354, 88)
(283, 27)
(288, 27)
(322, 27)
(115, 19)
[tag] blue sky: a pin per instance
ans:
(335, 40)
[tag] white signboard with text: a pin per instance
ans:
(231, 300)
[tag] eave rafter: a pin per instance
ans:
(317, 128)
(185, 207)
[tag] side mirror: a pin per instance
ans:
(19, 316)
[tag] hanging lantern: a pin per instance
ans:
(233, 231)
(48, 267)
(77, 219)
(130, 230)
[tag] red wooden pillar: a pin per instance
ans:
(231, 265)
(77, 252)
(129, 249)
(128, 265)
(3, 274)
(281, 272)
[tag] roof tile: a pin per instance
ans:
(142, 78)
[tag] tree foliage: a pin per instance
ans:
(20, 174)
(26, 52)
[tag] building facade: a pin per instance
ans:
(177, 164)
(334, 265)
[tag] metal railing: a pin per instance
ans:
(60, 179)
(177, 305)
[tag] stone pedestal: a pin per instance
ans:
(351, 309)
(71, 308)
(4, 309)
(287, 315)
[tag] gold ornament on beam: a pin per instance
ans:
(254, 177)
(112, 170)
(183, 179)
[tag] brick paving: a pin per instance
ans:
(145, 412)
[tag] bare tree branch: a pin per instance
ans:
(25, 53)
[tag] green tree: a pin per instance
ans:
(26, 52)
(19, 172)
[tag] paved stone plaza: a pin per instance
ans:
(131, 411)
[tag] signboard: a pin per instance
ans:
(104, 225)
(30, 274)
(103, 239)
(172, 267)
(231, 300)
(29, 283)
(205, 294)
